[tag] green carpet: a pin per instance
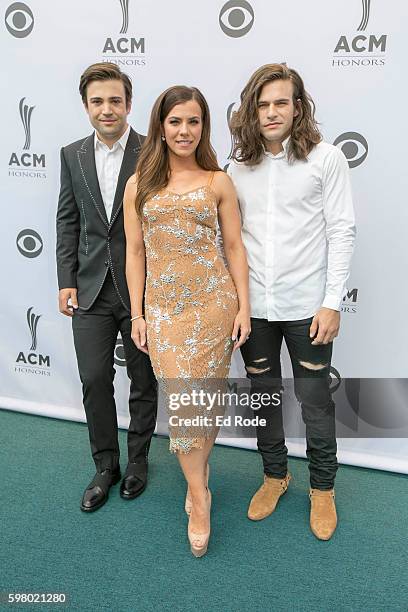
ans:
(135, 555)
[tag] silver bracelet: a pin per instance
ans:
(137, 317)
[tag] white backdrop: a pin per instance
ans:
(351, 54)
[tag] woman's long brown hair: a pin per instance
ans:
(248, 145)
(152, 169)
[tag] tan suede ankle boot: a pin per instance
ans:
(266, 498)
(323, 516)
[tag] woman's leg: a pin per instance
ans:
(194, 466)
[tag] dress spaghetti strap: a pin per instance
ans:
(211, 179)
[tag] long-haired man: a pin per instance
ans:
(298, 230)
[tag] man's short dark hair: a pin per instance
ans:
(104, 71)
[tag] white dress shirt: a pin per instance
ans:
(108, 162)
(298, 230)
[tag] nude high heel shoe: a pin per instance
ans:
(199, 541)
(188, 503)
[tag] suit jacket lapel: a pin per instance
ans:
(127, 168)
(86, 160)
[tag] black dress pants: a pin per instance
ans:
(95, 334)
(311, 371)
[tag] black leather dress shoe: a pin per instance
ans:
(97, 492)
(134, 481)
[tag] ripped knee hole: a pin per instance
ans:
(257, 369)
(313, 366)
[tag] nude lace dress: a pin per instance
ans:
(190, 301)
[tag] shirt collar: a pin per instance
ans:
(284, 153)
(122, 142)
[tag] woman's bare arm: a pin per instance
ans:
(230, 226)
(135, 263)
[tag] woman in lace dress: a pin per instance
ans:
(195, 312)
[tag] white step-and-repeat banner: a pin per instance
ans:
(352, 55)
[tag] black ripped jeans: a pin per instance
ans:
(311, 368)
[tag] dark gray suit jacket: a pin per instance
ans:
(87, 243)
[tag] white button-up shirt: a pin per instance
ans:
(108, 162)
(298, 230)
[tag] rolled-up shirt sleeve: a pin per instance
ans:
(340, 226)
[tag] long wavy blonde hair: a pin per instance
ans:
(248, 145)
(152, 169)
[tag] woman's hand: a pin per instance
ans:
(139, 335)
(241, 329)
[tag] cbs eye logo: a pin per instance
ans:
(119, 354)
(354, 147)
(334, 379)
(29, 243)
(19, 20)
(236, 18)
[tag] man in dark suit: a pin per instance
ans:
(91, 253)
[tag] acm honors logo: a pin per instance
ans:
(33, 361)
(124, 50)
(230, 111)
(361, 48)
(25, 163)
(350, 301)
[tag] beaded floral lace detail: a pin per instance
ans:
(190, 299)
